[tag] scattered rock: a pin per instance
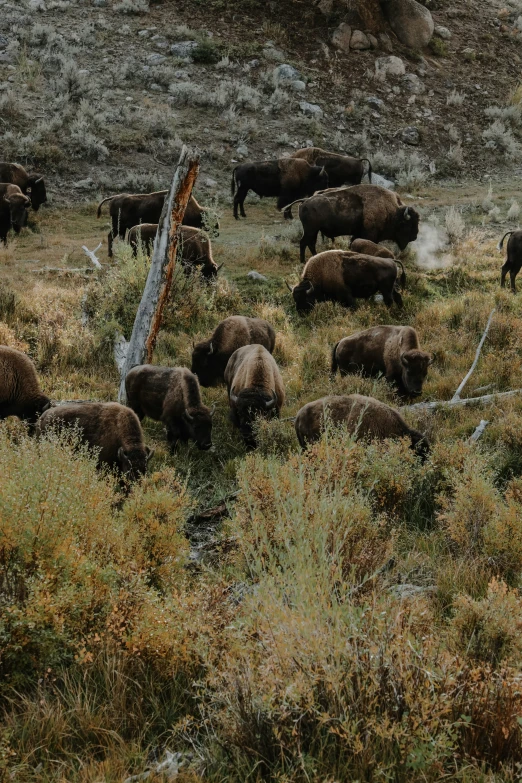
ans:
(374, 43)
(385, 42)
(359, 41)
(413, 84)
(375, 103)
(8, 57)
(409, 591)
(183, 49)
(84, 184)
(390, 66)
(4, 42)
(325, 6)
(311, 109)
(168, 769)
(156, 58)
(411, 22)
(271, 53)
(286, 73)
(210, 183)
(469, 54)
(181, 74)
(242, 150)
(411, 135)
(442, 32)
(143, 33)
(378, 179)
(298, 85)
(257, 276)
(100, 3)
(156, 87)
(341, 37)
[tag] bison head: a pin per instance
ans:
(36, 191)
(414, 370)
(133, 463)
(210, 271)
(207, 363)
(406, 226)
(198, 422)
(304, 296)
(318, 179)
(18, 206)
(249, 405)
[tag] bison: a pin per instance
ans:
(20, 393)
(341, 169)
(112, 429)
(170, 395)
(13, 210)
(362, 416)
(362, 211)
(392, 351)
(255, 388)
(210, 357)
(370, 248)
(343, 276)
(127, 211)
(31, 184)
(513, 262)
(194, 246)
(287, 179)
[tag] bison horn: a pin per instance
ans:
(39, 180)
(149, 452)
(187, 415)
(407, 214)
(233, 397)
(432, 359)
(211, 349)
(219, 267)
(310, 286)
(289, 287)
(322, 171)
(213, 409)
(271, 403)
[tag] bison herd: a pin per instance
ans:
(327, 191)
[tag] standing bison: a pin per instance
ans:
(255, 388)
(210, 357)
(341, 169)
(13, 210)
(363, 212)
(287, 179)
(362, 416)
(195, 250)
(31, 184)
(170, 395)
(343, 276)
(112, 429)
(392, 351)
(20, 393)
(513, 262)
(370, 248)
(127, 211)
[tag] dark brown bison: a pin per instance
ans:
(31, 184)
(365, 417)
(255, 388)
(392, 351)
(210, 357)
(362, 211)
(194, 247)
(341, 169)
(127, 211)
(112, 429)
(170, 395)
(370, 248)
(287, 179)
(513, 262)
(20, 393)
(343, 276)
(13, 210)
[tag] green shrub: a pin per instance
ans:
(207, 52)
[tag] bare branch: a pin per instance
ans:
(486, 399)
(479, 430)
(91, 255)
(456, 396)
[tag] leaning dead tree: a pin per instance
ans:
(162, 265)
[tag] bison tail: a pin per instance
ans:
(98, 213)
(233, 186)
(501, 243)
(335, 366)
(370, 170)
(402, 279)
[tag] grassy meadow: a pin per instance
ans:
(355, 616)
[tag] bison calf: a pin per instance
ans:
(13, 210)
(31, 184)
(343, 276)
(255, 388)
(362, 416)
(112, 429)
(370, 249)
(392, 351)
(210, 357)
(513, 262)
(170, 395)
(20, 393)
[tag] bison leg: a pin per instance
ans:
(397, 298)
(503, 272)
(239, 201)
(308, 241)
(512, 277)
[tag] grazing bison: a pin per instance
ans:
(392, 351)
(194, 246)
(31, 184)
(210, 357)
(255, 388)
(13, 210)
(20, 393)
(144, 234)
(127, 211)
(111, 428)
(513, 262)
(365, 417)
(170, 395)
(341, 169)
(287, 179)
(362, 211)
(343, 276)
(370, 248)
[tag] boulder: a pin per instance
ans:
(311, 110)
(298, 85)
(390, 66)
(156, 59)
(385, 43)
(411, 22)
(273, 54)
(359, 41)
(442, 32)
(374, 43)
(183, 49)
(411, 135)
(378, 179)
(341, 37)
(286, 73)
(412, 84)
(257, 276)
(375, 103)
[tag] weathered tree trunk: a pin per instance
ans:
(163, 261)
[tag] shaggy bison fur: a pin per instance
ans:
(20, 393)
